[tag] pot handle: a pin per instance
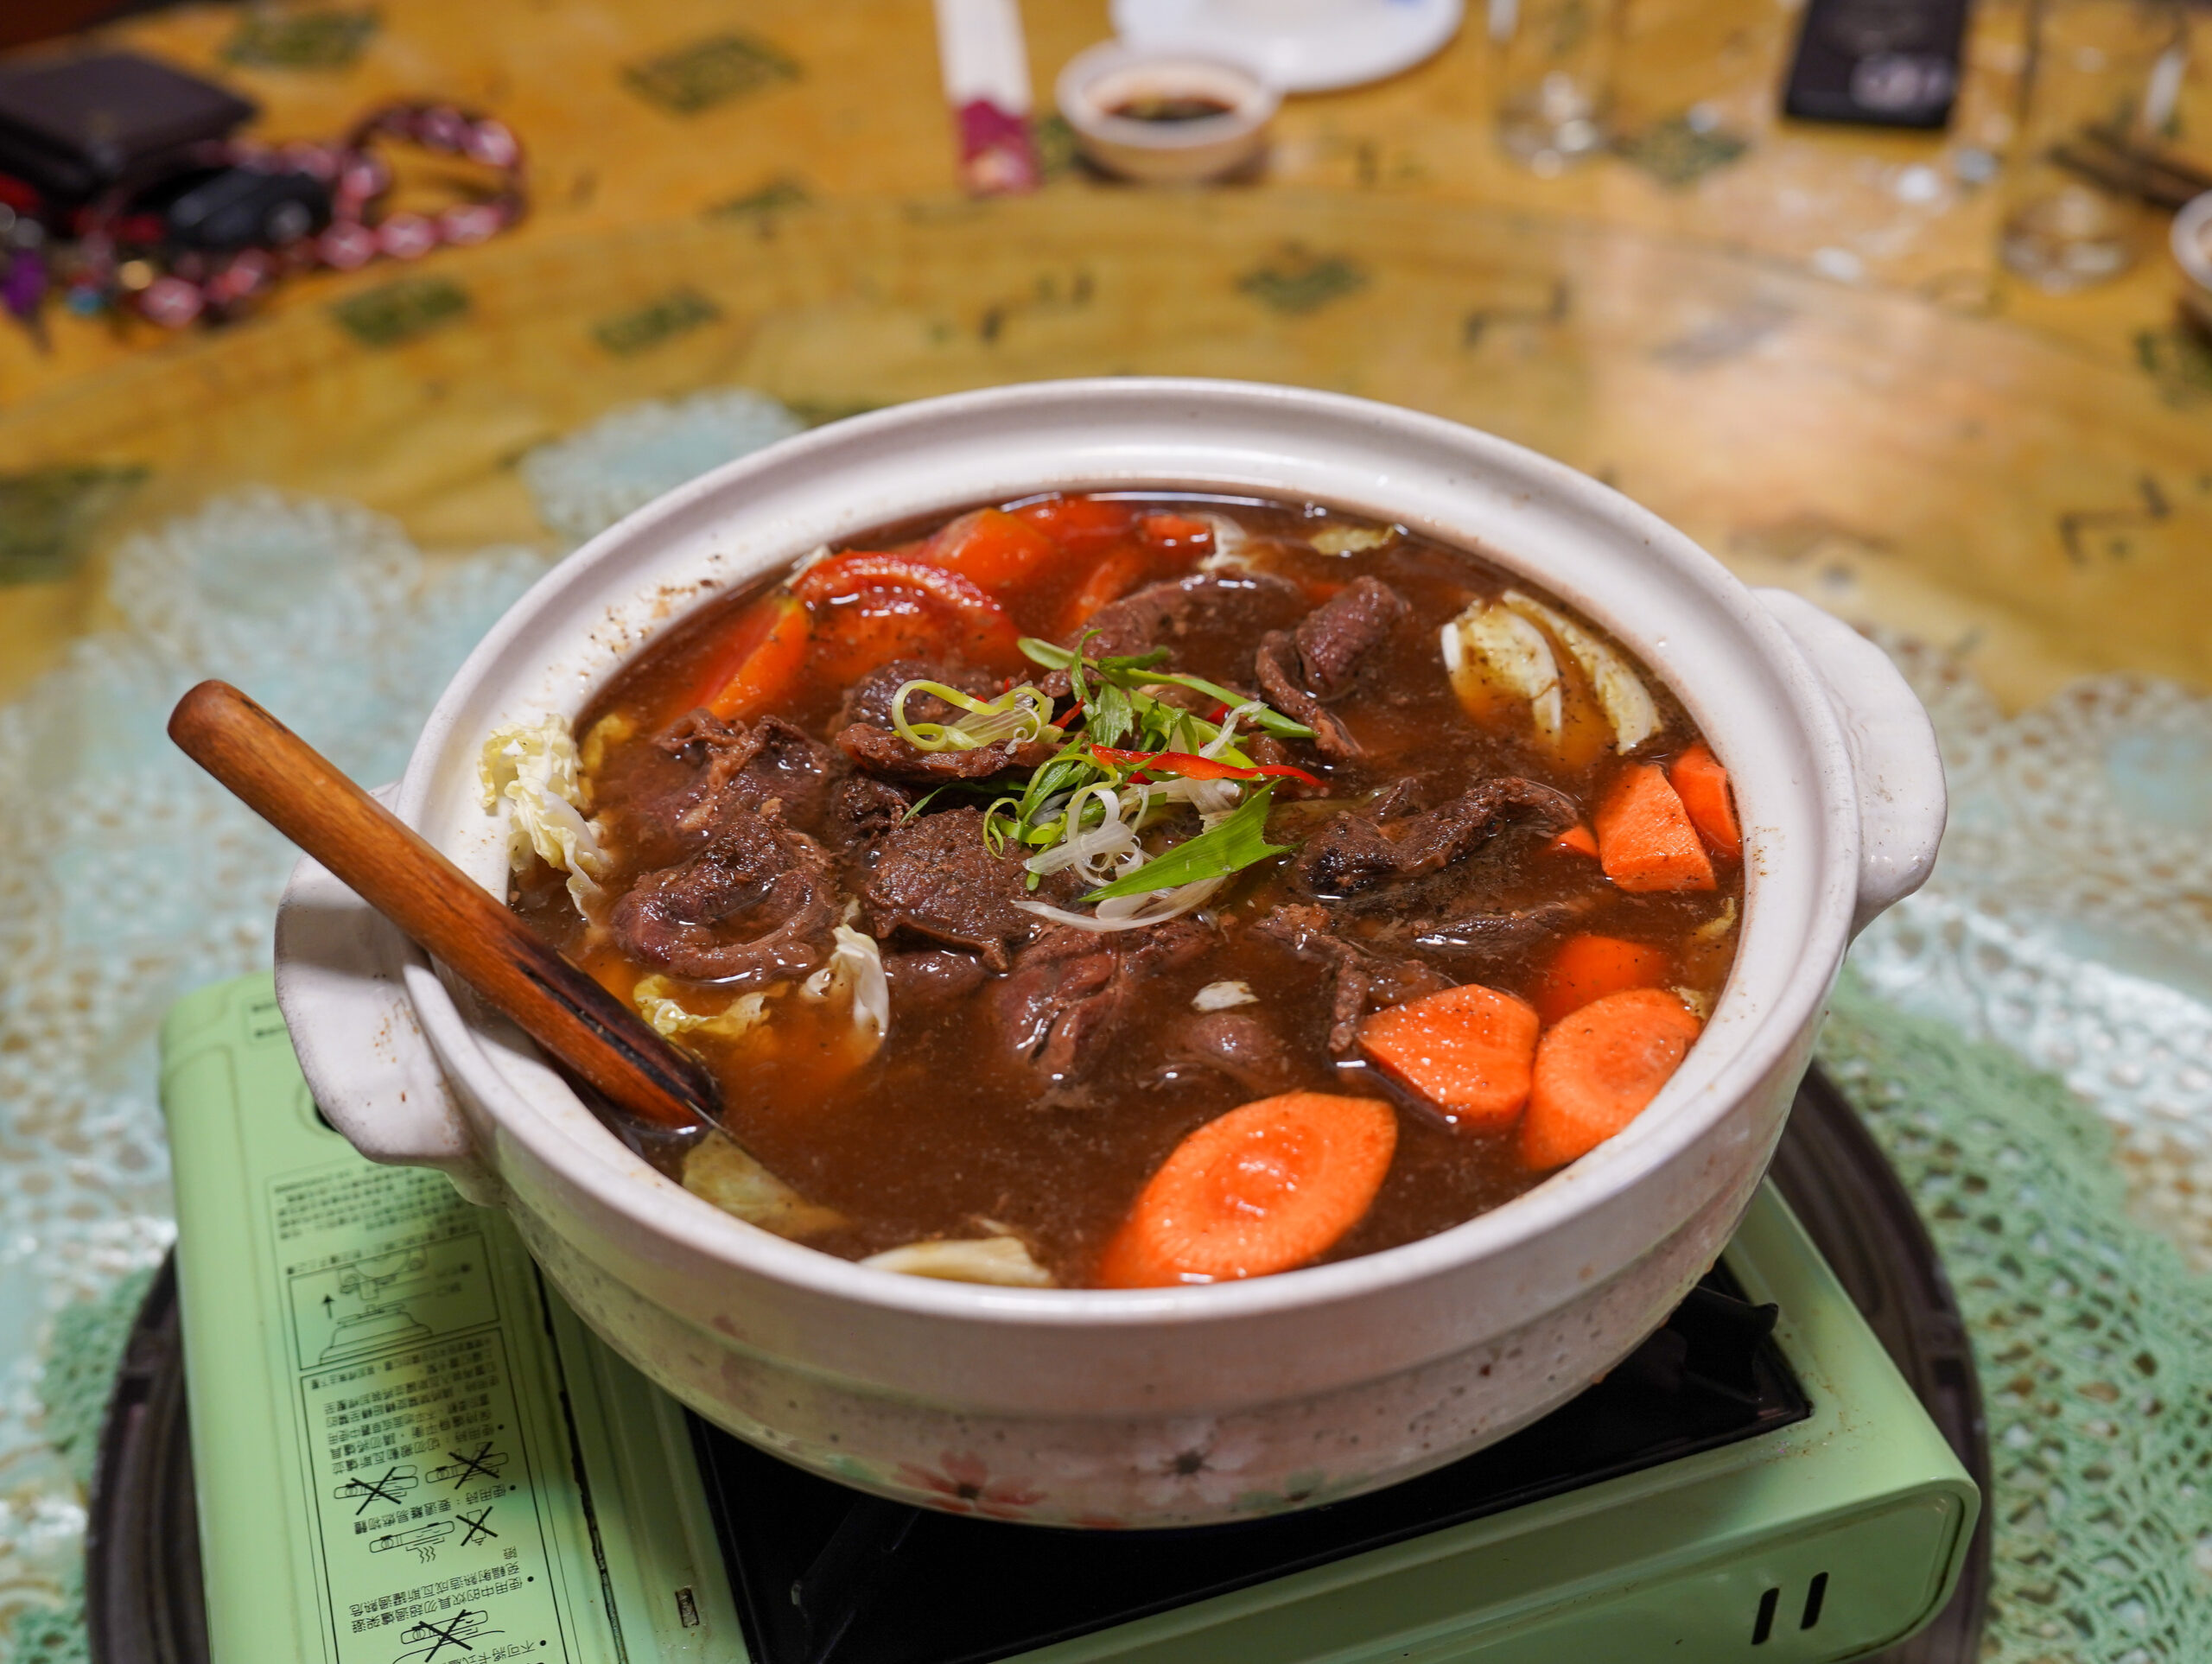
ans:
(341, 985)
(1894, 759)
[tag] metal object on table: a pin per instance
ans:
(2118, 162)
(587, 1478)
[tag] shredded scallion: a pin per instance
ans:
(1021, 714)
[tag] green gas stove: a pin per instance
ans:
(404, 1449)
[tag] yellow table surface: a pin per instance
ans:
(1932, 446)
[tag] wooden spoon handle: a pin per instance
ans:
(383, 861)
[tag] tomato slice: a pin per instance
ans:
(1175, 532)
(869, 609)
(1081, 525)
(1000, 552)
(757, 662)
(1122, 570)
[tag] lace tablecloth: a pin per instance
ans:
(2068, 924)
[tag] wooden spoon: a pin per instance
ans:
(386, 863)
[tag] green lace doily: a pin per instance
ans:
(2092, 1337)
(86, 1351)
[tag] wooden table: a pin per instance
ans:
(763, 193)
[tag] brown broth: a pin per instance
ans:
(942, 1133)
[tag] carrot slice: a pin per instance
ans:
(1262, 1188)
(1588, 967)
(1645, 840)
(1577, 840)
(757, 661)
(1702, 784)
(1468, 1051)
(1081, 525)
(995, 549)
(1596, 1071)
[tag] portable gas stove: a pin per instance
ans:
(409, 1451)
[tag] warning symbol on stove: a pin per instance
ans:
(473, 1526)
(392, 1487)
(423, 1539)
(485, 1464)
(435, 1638)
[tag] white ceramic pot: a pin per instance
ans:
(1158, 1407)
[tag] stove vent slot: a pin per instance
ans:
(1764, 1627)
(1814, 1597)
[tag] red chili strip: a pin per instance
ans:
(1191, 766)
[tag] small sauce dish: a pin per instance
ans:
(1165, 116)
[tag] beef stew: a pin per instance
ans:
(1138, 888)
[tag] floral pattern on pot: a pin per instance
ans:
(961, 1484)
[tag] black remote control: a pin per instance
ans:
(1877, 63)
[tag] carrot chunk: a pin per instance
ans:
(1702, 784)
(996, 550)
(757, 662)
(1577, 840)
(1588, 967)
(1645, 840)
(1596, 1071)
(1468, 1051)
(1262, 1188)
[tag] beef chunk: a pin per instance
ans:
(881, 752)
(1274, 666)
(1071, 988)
(869, 700)
(746, 765)
(935, 877)
(755, 906)
(1335, 638)
(1235, 1044)
(1062, 971)
(863, 812)
(1205, 606)
(1359, 975)
(1354, 853)
(1302, 670)
(1474, 939)
(931, 977)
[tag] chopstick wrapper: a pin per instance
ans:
(985, 63)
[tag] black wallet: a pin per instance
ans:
(74, 127)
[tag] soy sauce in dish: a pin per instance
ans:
(1167, 108)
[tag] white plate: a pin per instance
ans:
(1301, 46)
